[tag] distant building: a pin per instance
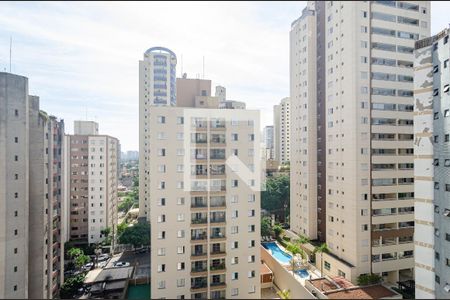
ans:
(282, 130)
(268, 138)
(92, 179)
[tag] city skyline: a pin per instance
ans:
(72, 66)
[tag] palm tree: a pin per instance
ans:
(323, 248)
(284, 294)
(294, 265)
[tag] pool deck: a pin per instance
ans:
(313, 273)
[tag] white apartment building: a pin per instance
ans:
(205, 208)
(157, 86)
(367, 110)
(92, 177)
(431, 166)
(303, 127)
(282, 129)
(268, 139)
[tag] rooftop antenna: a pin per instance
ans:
(10, 52)
(203, 67)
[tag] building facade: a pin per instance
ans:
(157, 86)
(205, 213)
(92, 177)
(31, 189)
(268, 140)
(366, 107)
(431, 164)
(282, 129)
(14, 183)
(46, 247)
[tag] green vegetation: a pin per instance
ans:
(366, 279)
(277, 230)
(136, 235)
(78, 257)
(266, 227)
(323, 248)
(126, 204)
(284, 294)
(275, 199)
(70, 286)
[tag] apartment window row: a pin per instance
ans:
(391, 62)
(391, 77)
(391, 122)
(400, 151)
(393, 18)
(445, 89)
(391, 92)
(446, 138)
(392, 47)
(393, 33)
(392, 107)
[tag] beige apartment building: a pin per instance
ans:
(205, 216)
(31, 246)
(361, 88)
(282, 130)
(92, 179)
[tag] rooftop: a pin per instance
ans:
(368, 292)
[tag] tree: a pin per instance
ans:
(278, 230)
(78, 257)
(323, 248)
(126, 204)
(70, 286)
(294, 265)
(275, 199)
(284, 294)
(365, 279)
(136, 235)
(266, 226)
(121, 228)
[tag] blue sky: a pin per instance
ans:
(82, 58)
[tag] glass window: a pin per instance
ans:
(383, 61)
(383, 31)
(404, 49)
(408, 21)
(408, 35)
(383, 16)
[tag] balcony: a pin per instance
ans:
(199, 269)
(197, 235)
(217, 170)
(201, 203)
(199, 138)
(218, 285)
(217, 265)
(218, 139)
(218, 220)
(198, 221)
(198, 285)
(217, 233)
(199, 123)
(217, 202)
(217, 123)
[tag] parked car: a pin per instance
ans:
(121, 264)
(103, 257)
(88, 266)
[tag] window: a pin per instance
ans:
(161, 251)
(383, 16)
(383, 31)
(161, 268)
(161, 120)
(162, 152)
(252, 289)
(235, 245)
(161, 284)
(234, 291)
(180, 201)
(383, 46)
(234, 137)
(327, 265)
(446, 64)
(234, 260)
(180, 249)
(180, 120)
(180, 282)
(251, 274)
(446, 88)
(180, 234)
(407, 35)
(180, 266)
(234, 276)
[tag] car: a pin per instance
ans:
(103, 257)
(88, 266)
(121, 264)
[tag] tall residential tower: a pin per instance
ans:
(352, 96)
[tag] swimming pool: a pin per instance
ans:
(276, 252)
(303, 273)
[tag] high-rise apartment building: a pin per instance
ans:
(432, 166)
(157, 86)
(31, 189)
(268, 142)
(14, 176)
(282, 129)
(92, 179)
(205, 242)
(363, 102)
(46, 244)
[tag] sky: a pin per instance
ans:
(82, 58)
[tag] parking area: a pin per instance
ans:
(141, 262)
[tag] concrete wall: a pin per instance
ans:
(283, 279)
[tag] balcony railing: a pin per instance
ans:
(218, 220)
(214, 284)
(199, 221)
(198, 269)
(198, 253)
(217, 235)
(199, 285)
(220, 266)
(199, 237)
(198, 204)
